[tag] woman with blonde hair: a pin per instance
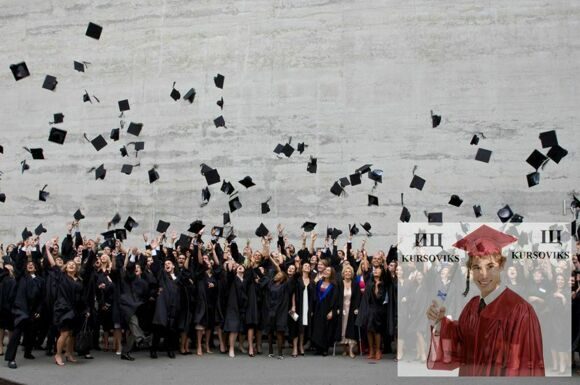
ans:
(348, 299)
(69, 309)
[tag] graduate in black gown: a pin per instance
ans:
(235, 313)
(7, 295)
(303, 304)
(70, 311)
(26, 311)
(325, 309)
(253, 311)
(276, 306)
(373, 311)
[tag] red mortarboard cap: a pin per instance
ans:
(484, 241)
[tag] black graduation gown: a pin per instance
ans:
(206, 306)
(7, 296)
(187, 303)
(253, 309)
(324, 330)
(134, 293)
(275, 305)
(293, 327)
(373, 312)
(168, 301)
(69, 305)
(355, 298)
(299, 292)
(106, 301)
(236, 305)
(146, 312)
(28, 300)
(391, 286)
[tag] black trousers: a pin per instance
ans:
(24, 328)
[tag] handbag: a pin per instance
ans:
(84, 339)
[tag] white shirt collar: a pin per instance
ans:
(494, 294)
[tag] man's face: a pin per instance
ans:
(486, 274)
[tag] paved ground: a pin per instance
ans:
(218, 369)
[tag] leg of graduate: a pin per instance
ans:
(13, 342)
(232, 340)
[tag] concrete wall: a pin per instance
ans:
(355, 80)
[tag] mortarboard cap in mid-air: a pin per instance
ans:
(247, 182)
(219, 80)
(130, 224)
(19, 71)
(536, 159)
(162, 226)
(455, 200)
(57, 135)
(308, 226)
(483, 155)
(135, 128)
(548, 139)
(50, 83)
(94, 31)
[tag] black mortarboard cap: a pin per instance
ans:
(262, 231)
(517, 218)
(353, 230)
(227, 218)
(135, 128)
(536, 159)
(127, 169)
(99, 142)
(121, 234)
(455, 200)
(196, 226)
(219, 80)
(50, 83)
(474, 140)
(312, 165)
(556, 153)
(435, 217)
(548, 139)
(278, 149)
(78, 66)
(219, 121)
(376, 175)
(477, 210)
(334, 233)
(336, 189)
(25, 166)
(220, 103)
(39, 229)
(130, 224)
(235, 204)
(301, 147)
(153, 175)
(227, 187)
(94, 30)
(247, 182)
(19, 71)
(162, 226)
(57, 135)
(100, 172)
(363, 169)
(533, 179)
(218, 231)
(212, 176)
(265, 208)
(124, 105)
(58, 118)
(26, 234)
(231, 236)
(115, 134)
(139, 146)
(287, 150)
(435, 119)
(205, 194)
(43, 195)
(184, 241)
(405, 215)
(367, 227)
(116, 219)
(355, 179)
(123, 151)
(190, 95)
(308, 226)
(108, 235)
(175, 94)
(344, 181)
(86, 97)
(205, 168)
(78, 215)
(505, 213)
(417, 182)
(2, 197)
(373, 200)
(483, 155)
(37, 153)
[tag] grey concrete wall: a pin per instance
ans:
(353, 79)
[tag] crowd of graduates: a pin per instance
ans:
(195, 296)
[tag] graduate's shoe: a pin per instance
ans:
(88, 357)
(29, 356)
(127, 357)
(171, 354)
(12, 365)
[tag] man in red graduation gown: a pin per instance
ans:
(498, 332)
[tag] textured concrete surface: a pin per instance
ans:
(355, 80)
